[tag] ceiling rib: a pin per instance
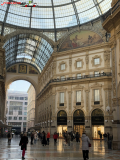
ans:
(54, 20)
(5, 18)
(76, 13)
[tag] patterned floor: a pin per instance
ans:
(98, 151)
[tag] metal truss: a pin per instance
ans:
(98, 9)
(76, 13)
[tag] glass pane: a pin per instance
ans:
(78, 96)
(97, 96)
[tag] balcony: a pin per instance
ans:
(108, 74)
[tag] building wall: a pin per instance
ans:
(48, 100)
(12, 122)
(31, 107)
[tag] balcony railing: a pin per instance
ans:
(75, 78)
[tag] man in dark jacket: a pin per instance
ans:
(23, 144)
(32, 137)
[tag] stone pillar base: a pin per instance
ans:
(116, 145)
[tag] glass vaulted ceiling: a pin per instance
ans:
(53, 14)
(27, 48)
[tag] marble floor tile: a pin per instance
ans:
(61, 151)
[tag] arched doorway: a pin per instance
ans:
(97, 120)
(61, 122)
(79, 121)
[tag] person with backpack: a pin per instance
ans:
(9, 137)
(85, 146)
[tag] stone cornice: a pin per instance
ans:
(112, 21)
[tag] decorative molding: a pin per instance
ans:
(107, 58)
(75, 64)
(92, 61)
(113, 73)
(59, 66)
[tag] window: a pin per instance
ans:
(10, 118)
(15, 118)
(19, 112)
(78, 97)
(26, 98)
(25, 113)
(25, 108)
(96, 96)
(24, 123)
(78, 76)
(10, 112)
(11, 97)
(62, 66)
(20, 118)
(26, 103)
(17, 98)
(79, 64)
(96, 61)
(21, 98)
(62, 99)
(62, 78)
(96, 74)
(25, 118)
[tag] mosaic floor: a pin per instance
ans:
(98, 151)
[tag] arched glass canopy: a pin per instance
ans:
(52, 14)
(27, 48)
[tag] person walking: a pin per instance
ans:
(68, 139)
(35, 137)
(48, 137)
(85, 145)
(23, 144)
(100, 137)
(110, 141)
(77, 137)
(32, 137)
(105, 137)
(55, 136)
(9, 137)
(44, 141)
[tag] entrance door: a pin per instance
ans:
(61, 129)
(79, 129)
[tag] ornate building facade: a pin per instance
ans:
(77, 84)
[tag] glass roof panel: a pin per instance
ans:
(43, 2)
(17, 9)
(59, 2)
(91, 14)
(66, 21)
(42, 17)
(105, 5)
(42, 23)
(26, 47)
(64, 11)
(18, 20)
(42, 12)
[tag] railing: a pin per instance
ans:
(76, 78)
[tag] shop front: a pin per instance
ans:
(97, 119)
(79, 121)
(61, 122)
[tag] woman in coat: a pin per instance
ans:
(23, 144)
(35, 137)
(85, 146)
(44, 141)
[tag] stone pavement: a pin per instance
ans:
(98, 151)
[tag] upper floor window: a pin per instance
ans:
(62, 66)
(96, 61)
(10, 112)
(25, 118)
(26, 98)
(78, 76)
(79, 64)
(17, 98)
(96, 96)
(25, 103)
(10, 97)
(78, 97)
(10, 118)
(61, 98)
(20, 118)
(15, 118)
(25, 108)
(19, 112)
(21, 98)
(25, 113)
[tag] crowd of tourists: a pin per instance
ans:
(71, 136)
